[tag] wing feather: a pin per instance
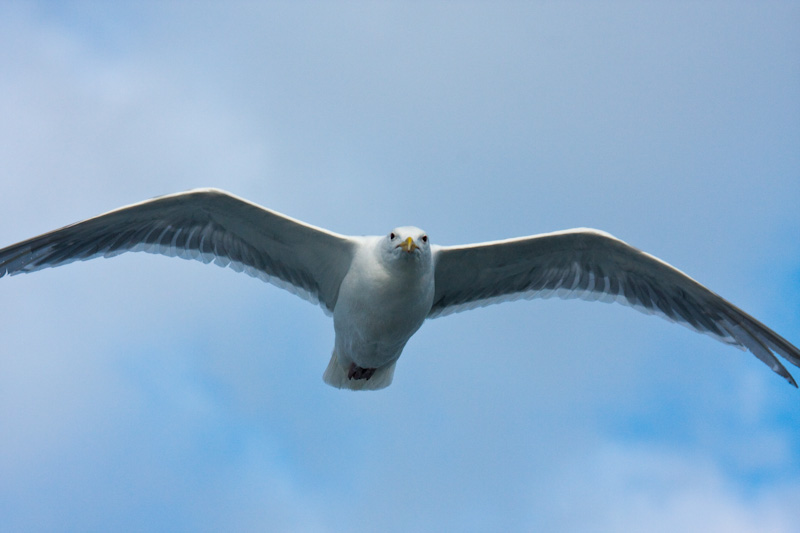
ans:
(593, 265)
(205, 225)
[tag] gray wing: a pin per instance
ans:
(593, 265)
(207, 225)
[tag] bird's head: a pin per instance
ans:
(408, 242)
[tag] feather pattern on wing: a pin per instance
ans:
(593, 265)
(206, 225)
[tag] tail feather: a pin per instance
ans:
(336, 376)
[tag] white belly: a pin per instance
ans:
(377, 312)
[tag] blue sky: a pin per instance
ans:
(149, 393)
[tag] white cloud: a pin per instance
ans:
(630, 487)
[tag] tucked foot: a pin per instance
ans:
(356, 372)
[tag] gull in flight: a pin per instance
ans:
(381, 289)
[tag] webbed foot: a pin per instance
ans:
(356, 372)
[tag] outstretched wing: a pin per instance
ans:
(208, 225)
(593, 265)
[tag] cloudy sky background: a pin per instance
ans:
(151, 393)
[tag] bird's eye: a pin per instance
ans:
(392, 236)
(424, 238)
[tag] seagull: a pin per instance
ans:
(380, 289)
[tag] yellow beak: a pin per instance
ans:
(408, 245)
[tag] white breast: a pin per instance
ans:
(381, 304)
